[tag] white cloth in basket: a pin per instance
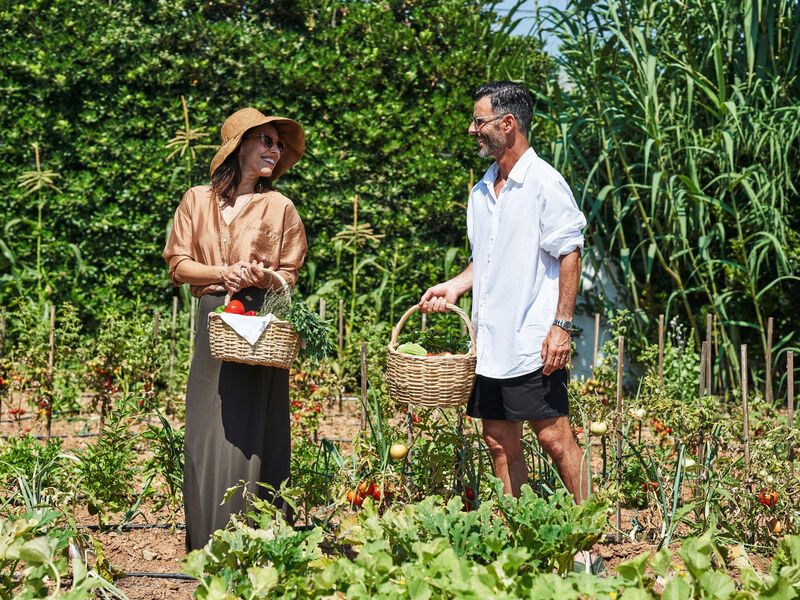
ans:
(250, 328)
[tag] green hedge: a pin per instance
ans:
(383, 90)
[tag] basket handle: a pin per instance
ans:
(278, 276)
(450, 307)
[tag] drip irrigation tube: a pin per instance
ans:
(162, 576)
(110, 528)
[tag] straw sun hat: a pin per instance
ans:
(235, 126)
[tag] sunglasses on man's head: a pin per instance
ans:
(269, 142)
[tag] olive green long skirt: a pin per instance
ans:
(237, 428)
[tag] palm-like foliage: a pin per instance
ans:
(185, 138)
(37, 180)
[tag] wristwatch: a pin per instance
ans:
(565, 324)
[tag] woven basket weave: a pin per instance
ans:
(430, 381)
(277, 346)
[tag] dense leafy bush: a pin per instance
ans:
(382, 88)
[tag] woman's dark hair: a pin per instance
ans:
(227, 176)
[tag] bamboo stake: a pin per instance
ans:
(768, 383)
(596, 341)
(708, 357)
(363, 386)
(619, 431)
(717, 354)
(790, 390)
(341, 325)
(172, 347)
(705, 352)
(50, 364)
(703, 358)
(745, 411)
(660, 353)
(2, 330)
(322, 309)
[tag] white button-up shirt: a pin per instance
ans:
(517, 238)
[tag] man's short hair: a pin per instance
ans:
(509, 97)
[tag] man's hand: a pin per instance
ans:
(556, 350)
(436, 298)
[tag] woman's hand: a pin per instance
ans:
(253, 273)
(232, 279)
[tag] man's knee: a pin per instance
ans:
(501, 443)
(554, 442)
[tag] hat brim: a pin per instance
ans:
(290, 133)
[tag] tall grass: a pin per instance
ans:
(677, 124)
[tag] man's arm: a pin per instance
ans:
(437, 297)
(557, 345)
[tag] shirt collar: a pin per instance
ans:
(517, 174)
(518, 171)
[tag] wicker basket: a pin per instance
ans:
(431, 381)
(277, 346)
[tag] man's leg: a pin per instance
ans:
(503, 440)
(556, 439)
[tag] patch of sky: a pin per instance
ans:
(527, 13)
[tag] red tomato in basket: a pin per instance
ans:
(235, 307)
(251, 313)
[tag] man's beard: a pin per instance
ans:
(493, 145)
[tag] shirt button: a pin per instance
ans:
(225, 240)
(224, 264)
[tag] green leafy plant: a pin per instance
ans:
(106, 470)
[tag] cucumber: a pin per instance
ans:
(410, 348)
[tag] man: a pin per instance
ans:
(525, 231)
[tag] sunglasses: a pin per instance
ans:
(481, 121)
(269, 142)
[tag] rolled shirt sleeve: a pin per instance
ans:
(292, 254)
(179, 242)
(562, 222)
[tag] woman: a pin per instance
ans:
(225, 238)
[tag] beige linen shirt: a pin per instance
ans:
(267, 229)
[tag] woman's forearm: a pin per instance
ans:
(195, 273)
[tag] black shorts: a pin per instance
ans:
(528, 397)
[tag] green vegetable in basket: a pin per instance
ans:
(412, 348)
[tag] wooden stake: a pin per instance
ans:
(703, 358)
(660, 353)
(708, 376)
(172, 344)
(596, 341)
(790, 402)
(322, 309)
(50, 365)
(705, 351)
(768, 383)
(363, 386)
(2, 330)
(341, 325)
(155, 328)
(717, 354)
(745, 411)
(619, 430)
